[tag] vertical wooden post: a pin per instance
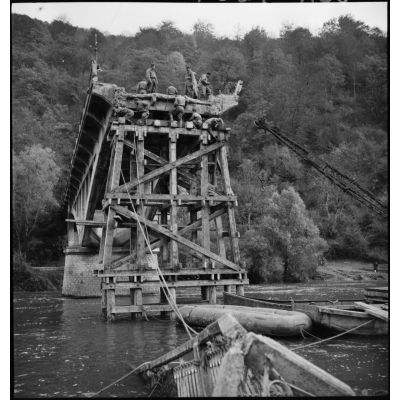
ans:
(140, 243)
(193, 218)
(136, 300)
(213, 294)
(104, 302)
(115, 172)
(132, 175)
(220, 237)
(164, 246)
(205, 212)
(240, 290)
(173, 190)
(110, 296)
(231, 213)
(172, 290)
(233, 235)
(225, 171)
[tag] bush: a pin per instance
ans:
(27, 279)
(286, 244)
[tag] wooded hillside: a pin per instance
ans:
(328, 92)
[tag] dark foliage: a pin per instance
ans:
(328, 92)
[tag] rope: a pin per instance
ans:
(165, 289)
(117, 381)
(308, 333)
(332, 337)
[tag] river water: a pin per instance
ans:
(62, 348)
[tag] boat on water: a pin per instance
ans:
(225, 360)
(271, 321)
(330, 315)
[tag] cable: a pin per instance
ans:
(332, 337)
(118, 380)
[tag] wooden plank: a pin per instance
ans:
(168, 167)
(141, 308)
(176, 284)
(162, 197)
(169, 272)
(372, 310)
(97, 224)
(130, 215)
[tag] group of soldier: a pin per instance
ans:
(193, 88)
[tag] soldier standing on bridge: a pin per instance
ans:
(151, 78)
(191, 89)
(179, 108)
(204, 85)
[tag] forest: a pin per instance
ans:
(327, 91)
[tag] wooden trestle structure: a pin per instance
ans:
(170, 187)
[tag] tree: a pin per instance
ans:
(291, 239)
(35, 173)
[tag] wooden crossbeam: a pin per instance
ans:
(186, 229)
(176, 237)
(168, 167)
(96, 224)
(160, 197)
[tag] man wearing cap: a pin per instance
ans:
(204, 85)
(151, 78)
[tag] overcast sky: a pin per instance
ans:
(228, 19)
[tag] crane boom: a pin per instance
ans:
(345, 183)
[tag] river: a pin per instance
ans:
(62, 348)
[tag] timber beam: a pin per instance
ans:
(178, 238)
(168, 167)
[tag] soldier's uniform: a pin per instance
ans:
(141, 87)
(143, 110)
(179, 108)
(152, 80)
(191, 89)
(204, 86)
(197, 119)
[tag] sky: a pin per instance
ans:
(228, 19)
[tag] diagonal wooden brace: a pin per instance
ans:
(218, 212)
(168, 167)
(178, 238)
